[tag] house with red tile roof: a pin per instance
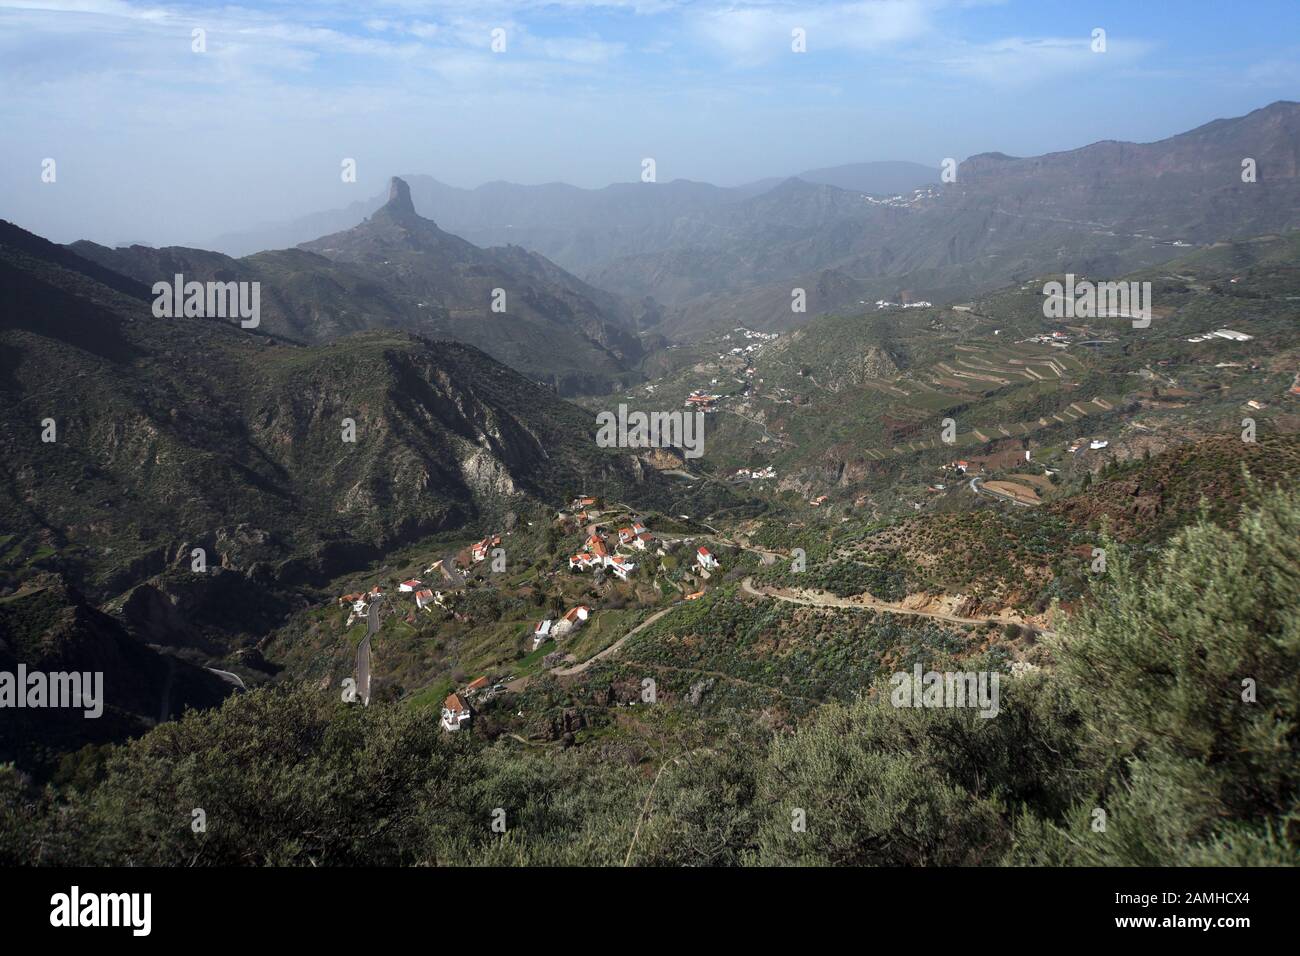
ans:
(573, 619)
(620, 566)
(596, 545)
(705, 559)
(456, 713)
(479, 551)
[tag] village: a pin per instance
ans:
(614, 543)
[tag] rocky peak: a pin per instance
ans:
(399, 203)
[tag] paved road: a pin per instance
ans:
(229, 677)
(871, 604)
(362, 670)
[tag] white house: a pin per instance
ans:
(425, 597)
(479, 551)
(573, 619)
(620, 566)
(456, 714)
(1098, 443)
(541, 632)
(406, 587)
(705, 559)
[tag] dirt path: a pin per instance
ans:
(613, 648)
(755, 421)
(980, 487)
(682, 669)
(872, 604)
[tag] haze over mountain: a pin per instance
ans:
(398, 270)
(1102, 209)
(577, 228)
(697, 256)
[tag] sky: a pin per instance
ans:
(156, 141)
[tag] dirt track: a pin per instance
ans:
(871, 604)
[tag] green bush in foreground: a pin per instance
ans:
(1164, 734)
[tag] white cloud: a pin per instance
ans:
(1018, 61)
(754, 33)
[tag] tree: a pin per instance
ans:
(1188, 678)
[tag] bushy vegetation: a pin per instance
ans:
(1163, 732)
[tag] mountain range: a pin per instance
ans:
(182, 433)
(572, 226)
(692, 256)
(397, 270)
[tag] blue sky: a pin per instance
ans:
(157, 143)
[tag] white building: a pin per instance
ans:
(573, 619)
(620, 566)
(456, 714)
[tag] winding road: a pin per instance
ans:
(872, 604)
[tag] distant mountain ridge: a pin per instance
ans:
(696, 257)
(574, 227)
(399, 270)
(1103, 209)
(549, 323)
(681, 258)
